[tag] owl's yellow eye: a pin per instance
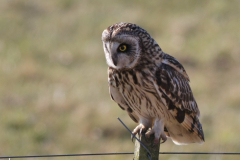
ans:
(122, 47)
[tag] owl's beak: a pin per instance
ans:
(114, 59)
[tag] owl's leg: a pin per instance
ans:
(158, 131)
(144, 125)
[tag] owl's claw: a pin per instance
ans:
(164, 140)
(140, 129)
(156, 141)
(157, 135)
(158, 131)
(132, 137)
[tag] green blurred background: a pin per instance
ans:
(53, 75)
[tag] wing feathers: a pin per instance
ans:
(172, 84)
(173, 62)
(134, 117)
(176, 87)
(193, 125)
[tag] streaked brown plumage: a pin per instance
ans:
(152, 86)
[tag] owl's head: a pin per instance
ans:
(123, 45)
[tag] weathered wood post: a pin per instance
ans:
(141, 153)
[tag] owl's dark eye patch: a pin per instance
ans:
(123, 47)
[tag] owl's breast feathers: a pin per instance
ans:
(134, 89)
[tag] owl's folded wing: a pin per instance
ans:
(176, 88)
(172, 84)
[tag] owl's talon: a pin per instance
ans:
(156, 141)
(143, 130)
(164, 140)
(140, 129)
(158, 132)
(132, 137)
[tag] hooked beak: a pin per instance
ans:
(114, 58)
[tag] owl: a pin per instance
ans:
(150, 85)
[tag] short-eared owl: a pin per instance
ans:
(152, 86)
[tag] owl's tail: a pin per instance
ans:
(189, 131)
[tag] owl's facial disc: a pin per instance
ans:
(121, 51)
(121, 55)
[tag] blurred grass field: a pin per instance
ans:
(53, 75)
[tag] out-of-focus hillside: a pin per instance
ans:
(53, 76)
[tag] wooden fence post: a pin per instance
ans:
(141, 153)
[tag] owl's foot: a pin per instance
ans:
(141, 129)
(157, 135)
(158, 131)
